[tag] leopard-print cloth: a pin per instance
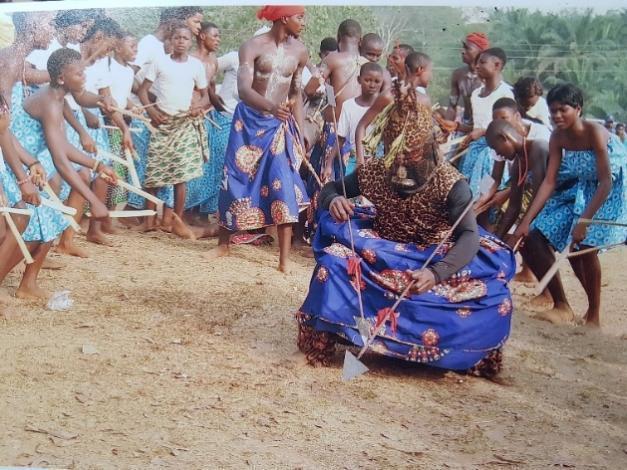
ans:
(490, 366)
(408, 114)
(421, 218)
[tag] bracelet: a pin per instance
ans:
(24, 181)
(33, 164)
(95, 167)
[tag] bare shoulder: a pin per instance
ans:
(459, 73)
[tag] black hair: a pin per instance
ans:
(67, 18)
(527, 87)
(60, 59)
(109, 27)
(328, 45)
(371, 38)
(370, 67)
(178, 13)
(502, 103)
(177, 24)
(497, 128)
(495, 52)
(405, 48)
(417, 59)
(207, 25)
(566, 93)
(349, 28)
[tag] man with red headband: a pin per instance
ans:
(261, 184)
(465, 80)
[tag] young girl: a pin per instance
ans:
(175, 155)
(528, 93)
(586, 153)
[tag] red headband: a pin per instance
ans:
(478, 39)
(276, 12)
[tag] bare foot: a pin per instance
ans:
(110, 229)
(591, 320)
(218, 252)
(525, 276)
(557, 316)
(98, 238)
(52, 264)
(540, 303)
(284, 268)
(180, 229)
(307, 252)
(31, 292)
(206, 231)
(71, 249)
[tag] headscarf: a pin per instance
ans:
(478, 39)
(276, 12)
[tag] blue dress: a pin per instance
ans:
(261, 184)
(576, 184)
(454, 326)
(203, 191)
(479, 162)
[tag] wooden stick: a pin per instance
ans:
(552, 271)
(13, 210)
(132, 129)
(594, 248)
(517, 245)
(601, 222)
(459, 155)
(131, 168)
(140, 117)
(211, 121)
(122, 214)
(447, 145)
(59, 207)
(138, 191)
(312, 170)
(18, 238)
(51, 194)
(113, 157)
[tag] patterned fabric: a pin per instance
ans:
(410, 118)
(100, 135)
(176, 152)
(46, 224)
(140, 142)
(115, 194)
(477, 163)
(576, 183)
(203, 191)
(421, 218)
(261, 184)
(454, 326)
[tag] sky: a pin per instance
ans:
(599, 6)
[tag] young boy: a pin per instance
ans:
(46, 106)
(371, 47)
(370, 79)
(528, 93)
(203, 192)
(587, 153)
(175, 155)
(396, 59)
(479, 160)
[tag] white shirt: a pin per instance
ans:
(149, 48)
(175, 82)
(228, 64)
(121, 82)
(350, 116)
(482, 106)
(39, 57)
(540, 111)
(97, 75)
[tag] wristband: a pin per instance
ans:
(33, 164)
(95, 167)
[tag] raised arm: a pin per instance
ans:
(360, 132)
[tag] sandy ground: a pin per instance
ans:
(167, 360)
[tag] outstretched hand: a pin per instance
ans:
(341, 209)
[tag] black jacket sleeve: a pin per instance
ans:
(334, 189)
(466, 235)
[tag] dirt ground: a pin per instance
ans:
(167, 360)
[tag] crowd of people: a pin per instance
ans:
(348, 159)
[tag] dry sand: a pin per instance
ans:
(167, 360)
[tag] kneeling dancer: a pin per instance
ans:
(458, 314)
